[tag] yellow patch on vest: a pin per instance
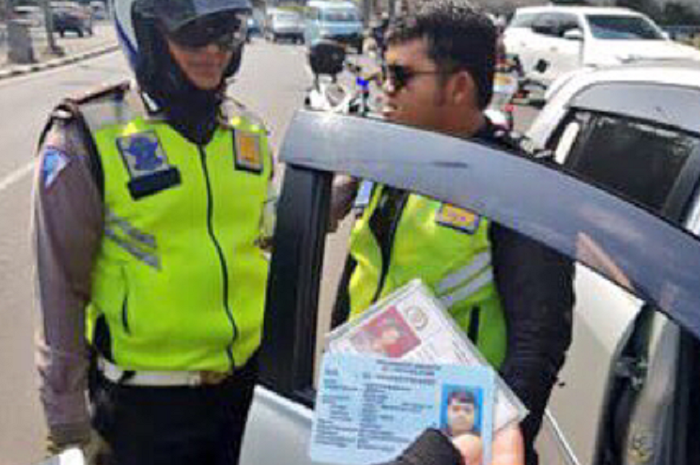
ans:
(457, 218)
(248, 153)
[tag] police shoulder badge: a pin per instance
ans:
(458, 218)
(147, 164)
(248, 152)
(54, 161)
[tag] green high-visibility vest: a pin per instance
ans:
(449, 250)
(179, 277)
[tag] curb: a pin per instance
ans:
(19, 70)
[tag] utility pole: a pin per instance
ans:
(48, 24)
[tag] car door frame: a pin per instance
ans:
(310, 150)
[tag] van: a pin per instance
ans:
(335, 20)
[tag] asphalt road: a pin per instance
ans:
(272, 83)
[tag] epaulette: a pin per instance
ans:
(69, 111)
(233, 108)
(100, 92)
(68, 108)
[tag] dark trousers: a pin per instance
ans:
(174, 425)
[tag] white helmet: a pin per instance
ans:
(141, 24)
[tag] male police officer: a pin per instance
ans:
(148, 216)
(512, 297)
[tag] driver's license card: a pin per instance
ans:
(368, 410)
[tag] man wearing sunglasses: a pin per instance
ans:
(149, 216)
(511, 296)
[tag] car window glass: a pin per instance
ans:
(636, 159)
(565, 23)
(622, 28)
(523, 20)
(338, 15)
(545, 25)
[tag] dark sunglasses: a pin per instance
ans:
(198, 37)
(398, 76)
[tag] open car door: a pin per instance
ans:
(647, 256)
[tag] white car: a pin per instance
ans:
(552, 40)
(633, 130)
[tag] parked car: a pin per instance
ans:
(71, 17)
(285, 25)
(566, 38)
(98, 10)
(631, 129)
(333, 20)
(252, 28)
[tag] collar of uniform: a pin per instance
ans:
(232, 109)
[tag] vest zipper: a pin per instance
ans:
(386, 261)
(219, 251)
(125, 305)
(125, 319)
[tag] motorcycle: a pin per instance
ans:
(506, 84)
(327, 60)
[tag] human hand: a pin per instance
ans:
(95, 449)
(507, 447)
(342, 198)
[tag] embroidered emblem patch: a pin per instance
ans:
(142, 154)
(248, 154)
(458, 218)
(53, 163)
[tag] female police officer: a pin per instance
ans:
(148, 218)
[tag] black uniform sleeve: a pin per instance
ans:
(431, 448)
(536, 290)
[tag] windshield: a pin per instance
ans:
(338, 15)
(286, 17)
(622, 28)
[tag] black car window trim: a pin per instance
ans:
(291, 314)
(618, 98)
(685, 185)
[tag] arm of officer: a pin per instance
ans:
(536, 287)
(67, 227)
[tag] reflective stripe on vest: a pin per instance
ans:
(455, 264)
(179, 277)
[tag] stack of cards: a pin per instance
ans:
(401, 367)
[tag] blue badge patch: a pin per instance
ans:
(142, 154)
(54, 160)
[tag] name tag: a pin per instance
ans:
(248, 154)
(458, 218)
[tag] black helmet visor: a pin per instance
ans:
(180, 15)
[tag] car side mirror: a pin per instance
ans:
(574, 34)
(326, 57)
(541, 66)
